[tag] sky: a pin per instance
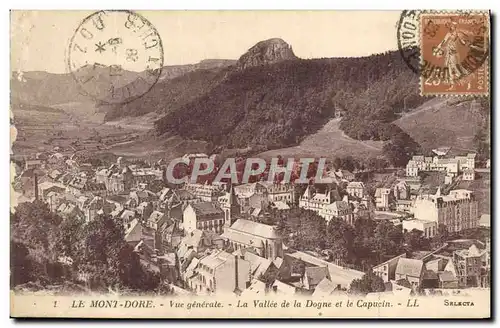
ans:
(40, 39)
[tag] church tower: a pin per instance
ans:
(230, 206)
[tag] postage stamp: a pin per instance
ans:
(454, 51)
(448, 50)
(115, 56)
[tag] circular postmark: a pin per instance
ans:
(115, 56)
(443, 47)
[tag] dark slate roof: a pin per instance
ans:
(206, 208)
(316, 274)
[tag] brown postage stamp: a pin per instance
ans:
(454, 51)
(179, 164)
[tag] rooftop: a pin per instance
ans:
(255, 228)
(410, 267)
(206, 208)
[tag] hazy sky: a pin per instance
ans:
(39, 39)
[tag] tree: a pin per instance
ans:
(21, 267)
(415, 240)
(387, 241)
(482, 144)
(340, 239)
(400, 149)
(110, 261)
(301, 229)
(36, 227)
(68, 237)
(369, 283)
(441, 237)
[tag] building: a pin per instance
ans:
(156, 220)
(325, 288)
(411, 270)
(261, 238)
(457, 211)
(203, 216)
(387, 269)
(429, 228)
(260, 194)
(313, 276)
(469, 174)
(315, 200)
(403, 205)
(447, 280)
(472, 267)
(485, 220)
(115, 179)
(83, 186)
(259, 266)
(401, 190)
(345, 175)
(356, 189)
(467, 162)
(205, 192)
(199, 241)
(221, 273)
(251, 196)
(338, 209)
(284, 192)
(229, 204)
(411, 169)
(33, 164)
(383, 199)
(439, 162)
(69, 210)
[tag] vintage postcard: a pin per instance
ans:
(250, 164)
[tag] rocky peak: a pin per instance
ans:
(266, 52)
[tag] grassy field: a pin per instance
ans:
(437, 123)
(42, 131)
(329, 142)
(482, 189)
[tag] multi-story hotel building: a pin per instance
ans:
(457, 211)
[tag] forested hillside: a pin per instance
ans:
(168, 95)
(277, 105)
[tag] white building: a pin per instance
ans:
(383, 197)
(356, 189)
(411, 169)
(203, 216)
(457, 211)
(338, 209)
(452, 166)
(220, 273)
(316, 200)
(262, 238)
(429, 228)
(469, 175)
(205, 192)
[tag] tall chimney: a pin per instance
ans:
(36, 186)
(236, 273)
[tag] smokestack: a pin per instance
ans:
(236, 273)
(36, 186)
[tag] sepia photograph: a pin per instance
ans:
(250, 164)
